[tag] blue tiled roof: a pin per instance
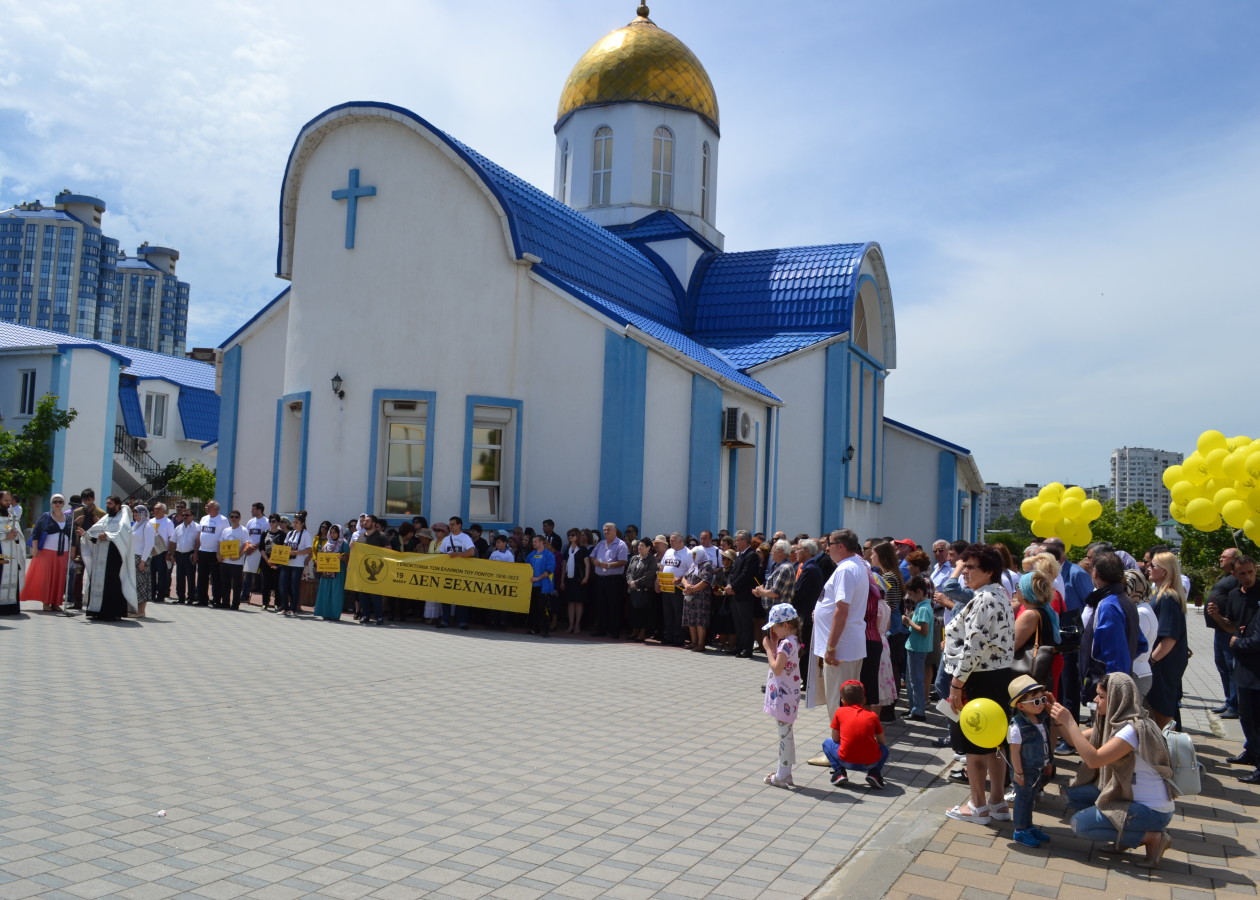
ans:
(653, 227)
(140, 363)
(129, 403)
(748, 350)
(199, 413)
(790, 289)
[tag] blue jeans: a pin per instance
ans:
(461, 614)
(1092, 825)
(838, 765)
(1224, 659)
(289, 594)
(1025, 797)
(916, 690)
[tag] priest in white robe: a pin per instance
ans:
(109, 574)
(12, 556)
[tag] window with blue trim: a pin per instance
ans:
(405, 427)
(492, 464)
(866, 416)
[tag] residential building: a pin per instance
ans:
(59, 271)
(1137, 473)
(1002, 500)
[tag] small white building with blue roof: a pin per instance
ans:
(137, 410)
(591, 355)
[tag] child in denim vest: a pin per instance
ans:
(1030, 751)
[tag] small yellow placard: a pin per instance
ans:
(230, 549)
(279, 554)
(329, 563)
(667, 581)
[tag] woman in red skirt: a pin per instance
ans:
(52, 538)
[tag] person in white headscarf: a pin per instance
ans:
(109, 574)
(143, 536)
(12, 556)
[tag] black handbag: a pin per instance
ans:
(1036, 659)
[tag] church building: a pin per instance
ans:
(456, 341)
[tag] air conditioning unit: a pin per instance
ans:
(737, 427)
(142, 445)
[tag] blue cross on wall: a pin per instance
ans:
(352, 195)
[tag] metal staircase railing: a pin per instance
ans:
(152, 475)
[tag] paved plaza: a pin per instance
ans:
(308, 758)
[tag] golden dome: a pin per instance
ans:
(640, 63)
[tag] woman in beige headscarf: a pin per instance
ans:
(1122, 789)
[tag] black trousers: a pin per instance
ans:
(231, 577)
(610, 599)
(270, 581)
(539, 617)
(208, 582)
(185, 576)
(161, 577)
(744, 611)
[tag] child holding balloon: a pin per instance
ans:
(783, 685)
(1029, 741)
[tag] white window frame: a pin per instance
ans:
(155, 414)
(418, 417)
(601, 166)
(704, 182)
(663, 167)
(26, 399)
(566, 165)
(499, 504)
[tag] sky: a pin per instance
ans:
(1067, 195)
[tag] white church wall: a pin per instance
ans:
(667, 442)
(88, 459)
(911, 480)
(797, 379)
(260, 382)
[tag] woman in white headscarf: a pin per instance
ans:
(142, 537)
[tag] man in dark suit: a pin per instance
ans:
(742, 579)
(809, 586)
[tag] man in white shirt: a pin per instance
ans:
(184, 555)
(456, 545)
(712, 549)
(210, 531)
(231, 569)
(609, 559)
(160, 563)
(839, 640)
(255, 530)
(673, 564)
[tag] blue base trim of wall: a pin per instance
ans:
(229, 408)
(379, 396)
(622, 430)
(704, 468)
(472, 401)
(946, 496)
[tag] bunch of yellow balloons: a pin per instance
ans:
(1062, 512)
(1219, 483)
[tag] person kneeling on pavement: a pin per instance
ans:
(857, 739)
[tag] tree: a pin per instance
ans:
(1201, 553)
(1131, 529)
(1019, 528)
(194, 482)
(26, 457)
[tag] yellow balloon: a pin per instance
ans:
(1172, 475)
(1050, 512)
(1200, 510)
(983, 722)
(1070, 507)
(1235, 464)
(1030, 508)
(1178, 512)
(1091, 509)
(1253, 500)
(1075, 491)
(1194, 469)
(1084, 536)
(1183, 492)
(1238, 440)
(1216, 462)
(1042, 529)
(1051, 492)
(1251, 528)
(1223, 496)
(1209, 441)
(1211, 525)
(1253, 464)
(1235, 513)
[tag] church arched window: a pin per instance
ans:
(564, 172)
(704, 182)
(601, 167)
(662, 167)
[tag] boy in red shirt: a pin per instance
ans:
(857, 739)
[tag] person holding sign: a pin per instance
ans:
(330, 564)
(674, 564)
(211, 529)
(298, 544)
(232, 561)
(457, 544)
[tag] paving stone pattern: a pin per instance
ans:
(306, 758)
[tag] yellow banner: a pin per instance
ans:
(230, 549)
(667, 581)
(476, 582)
(279, 555)
(328, 562)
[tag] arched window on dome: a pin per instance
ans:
(704, 182)
(663, 167)
(601, 167)
(565, 172)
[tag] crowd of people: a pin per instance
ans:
(855, 627)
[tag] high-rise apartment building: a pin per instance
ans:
(1002, 500)
(1137, 473)
(59, 271)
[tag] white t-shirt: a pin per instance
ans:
(298, 540)
(1148, 788)
(1148, 622)
(502, 556)
(235, 534)
(456, 542)
(1015, 736)
(676, 563)
(166, 528)
(212, 528)
(713, 550)
(850, 584)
